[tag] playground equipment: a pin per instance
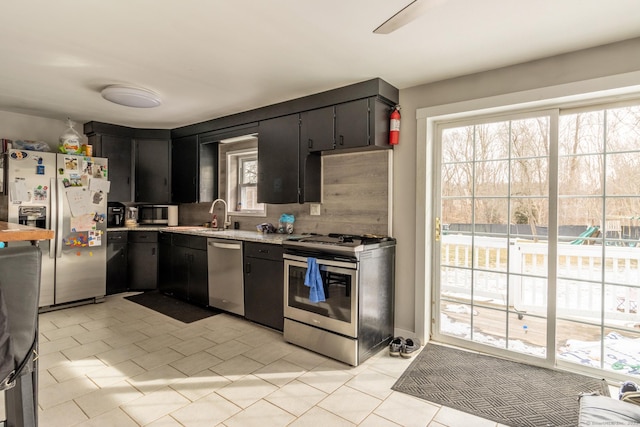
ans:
(585, 236)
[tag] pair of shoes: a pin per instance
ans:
(405, 348)
(627, 386)
(411, 345)
(396, 346)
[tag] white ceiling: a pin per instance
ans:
(212, 58)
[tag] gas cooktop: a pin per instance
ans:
(339, 242)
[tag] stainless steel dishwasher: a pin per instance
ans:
(226, 279)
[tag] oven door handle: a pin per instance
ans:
(322, 261)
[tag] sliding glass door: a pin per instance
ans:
(493, 249)
(539, 246)
(598, 279)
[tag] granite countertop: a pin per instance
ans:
(244, 235)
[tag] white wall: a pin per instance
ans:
(23, 127)
(581, 66)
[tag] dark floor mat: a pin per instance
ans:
(510, 393)
(172, 307)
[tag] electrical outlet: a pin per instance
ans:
(315, 208)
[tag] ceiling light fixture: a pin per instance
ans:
(131, 96)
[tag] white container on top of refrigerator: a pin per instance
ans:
(66, 194)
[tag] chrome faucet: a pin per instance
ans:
(226, 222)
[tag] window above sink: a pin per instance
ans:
(239, 176)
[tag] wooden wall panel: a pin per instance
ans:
(355, 198)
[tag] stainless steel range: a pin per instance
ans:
(356, 274)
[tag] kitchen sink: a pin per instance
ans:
(189, 227)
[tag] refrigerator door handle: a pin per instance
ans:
(59, 219)
(53, 216)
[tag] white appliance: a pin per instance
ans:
(66, 194)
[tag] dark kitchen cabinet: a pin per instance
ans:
(352, 124)
(184, 169)
(362, 124)
(166, 283)
(264, 284)
(180, 271)
(117, 149)
(286, 173)
(190, 280)
(207, 171)
(143, 260)
(139, 161)
(359, 124)
(152, 170)
(199, 275)
(194, 169)
(278, 153)
(117, 254)
(317, 129)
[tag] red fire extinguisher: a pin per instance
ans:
(394, 126)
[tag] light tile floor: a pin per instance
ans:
(119, 364)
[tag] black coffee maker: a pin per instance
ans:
(115, 214)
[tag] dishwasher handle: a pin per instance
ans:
(226, 245)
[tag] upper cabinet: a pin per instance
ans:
(352, 124)
(184, 169)
(152, 162)
(278, 160)
(194, 170)
(117, 149)
(359, 124)
(195, 163)
(140, 153)
(317, 129)
(287, 173)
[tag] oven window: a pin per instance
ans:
(337, 292)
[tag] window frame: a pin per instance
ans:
(234, 159)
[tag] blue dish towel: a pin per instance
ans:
(314, 281)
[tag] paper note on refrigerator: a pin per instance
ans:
(97, 184)
(82, 223)
(79, 200)
(18, 191)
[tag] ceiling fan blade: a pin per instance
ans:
(412, 11)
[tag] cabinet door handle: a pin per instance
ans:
(153, 251)
(247, 268)
(310, 143)
(263, 251)
(341, 139)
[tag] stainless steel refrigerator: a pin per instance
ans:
(66, 194)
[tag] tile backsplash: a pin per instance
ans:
(355, 199)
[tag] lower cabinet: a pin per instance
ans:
(264, 284)
(166, 283)
(183, 267)
(143, 260)
(117, 262)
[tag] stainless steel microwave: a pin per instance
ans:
(153, 214)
